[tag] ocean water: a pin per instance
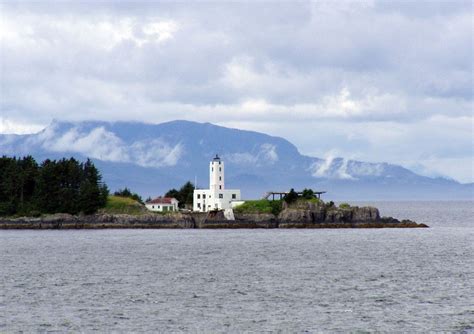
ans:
(346, 280)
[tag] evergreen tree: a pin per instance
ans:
(104, 194)
(127, 193)
(28, 169)
(9, 188)
(184, 195)
(308, 193)
(90, 195)
(173, 193)
(47, 192)
(55, 186)
(70, 178)
(291, 197)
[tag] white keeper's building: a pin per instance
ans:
(162, 204)
(216, 197)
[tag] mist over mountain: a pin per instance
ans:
(152, 158)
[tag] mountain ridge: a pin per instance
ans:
(151, 158)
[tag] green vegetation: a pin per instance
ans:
(128, 194)
(260, 206)
(307, 194)
(65, 186)
(344, 206)
(123, 205)
(184, 195)
(315, 200)
(330, 205)
(291, 197)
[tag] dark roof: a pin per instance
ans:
(216, 157)
(161, 200)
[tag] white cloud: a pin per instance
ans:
(104, 145)
(98, 143)
(263, 155)
(155, 153)
(268, 153)
(331, 168)
(18, 127)
(161, 31)
(393, 82)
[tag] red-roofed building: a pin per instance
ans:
(162, 204)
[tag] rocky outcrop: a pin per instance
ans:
(366, 213)
(307, 214)
(100, 221)
(256, 220)
(242, 220)
(302, 214)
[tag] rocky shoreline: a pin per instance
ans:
(299, 215)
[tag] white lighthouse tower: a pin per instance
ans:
(216, 174)
(216, 197)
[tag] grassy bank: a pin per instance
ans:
(123, 205)
(259, 206)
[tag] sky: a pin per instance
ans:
(367, 80)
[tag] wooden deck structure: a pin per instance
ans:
(282, 194)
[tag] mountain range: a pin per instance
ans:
(152, 158)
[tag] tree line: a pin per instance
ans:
(125, 192)
(184, 195)
(66, 185)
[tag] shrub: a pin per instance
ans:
(344, 206)
(126, 193)
(259, 206)
(291, 197)
(307, 194)
(330, 205)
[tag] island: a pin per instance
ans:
(302, 213)
(69, 194)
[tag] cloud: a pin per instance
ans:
(97, 143)
(262, 155)
(18, 127)
(104, 145)
(372, 73)
(332, 168)
(155, 153)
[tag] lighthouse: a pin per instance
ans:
(216, 174)
(217, 197)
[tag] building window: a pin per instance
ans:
(212, 169)
(220, 187)
(220, 178)
(220, 169)
(203, 195)
(199, 205)
(221, 195)
(199, 196)
(234, 196)
(219, 163)
(152, 206)
(158, 206)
